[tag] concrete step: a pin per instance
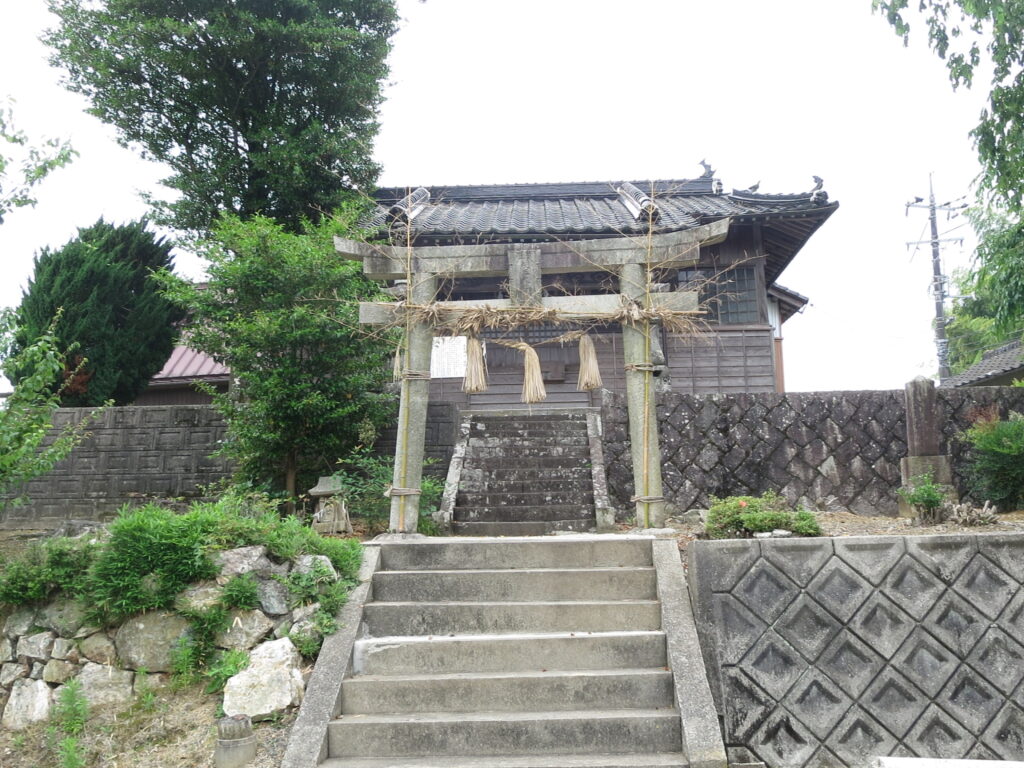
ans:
(530, 497)
(515, 511)
(512, 528)
(630, 583)
(575, 481)
(663, 760)
(578, 439)
(508, 691)
(570, 552)
(492, 733)
(421, 618)
(509, 653)
(530, 450)
(516, 462)
(545, 433)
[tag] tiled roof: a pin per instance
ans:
(495, 213)
(185, 365)
(1000, 361)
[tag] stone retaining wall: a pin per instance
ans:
(133, 454)
(825, 449)
(828, 651)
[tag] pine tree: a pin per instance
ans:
(113, 315)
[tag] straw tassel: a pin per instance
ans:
(475, 379)
(396, 367)
(590, 374)
(533, 380)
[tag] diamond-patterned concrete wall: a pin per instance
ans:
(824, 652)
(827, 449)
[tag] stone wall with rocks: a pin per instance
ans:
(133, 454)
(42, 647)
(821, 449)
(825, 652)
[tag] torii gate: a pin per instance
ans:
(523, 264)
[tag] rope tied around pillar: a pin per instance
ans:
(646, 499)
(416, 375)
(643, 368)
(390, 491)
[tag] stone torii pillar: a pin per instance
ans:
(631, 258)
(412, 412)
(641, 403)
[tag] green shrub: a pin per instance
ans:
(364, 476)
(334, 597)
(224, 666)
(996, 469)
(306, 588)
(55, 566)
(68, 754)
(768, 520)
(152, 554)
(923, 492)
(242, 592)
(308, 646)
(805, 524)
(71, 710)
(740, 516)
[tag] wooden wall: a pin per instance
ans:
(732, 360)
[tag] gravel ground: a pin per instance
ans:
(849, 524)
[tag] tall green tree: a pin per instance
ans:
(258, 107)
(23, 165)
(280, 310)
(959, 31)
(113, 316)
(966, 33)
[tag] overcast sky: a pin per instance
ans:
(493, 91)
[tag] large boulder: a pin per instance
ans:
(11, 672)
(270, 684)
(98, 647)
(306, 563)
(199, 597)
(148, 640)
(273, 597)
(65, 617)
(20, 622)
(235, 562)
(37, 646)
(104, 686)
(6, 650)
(246, 629)
(65, 650)
(58, 671)
(29, 703)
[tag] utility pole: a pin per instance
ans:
(938, 279)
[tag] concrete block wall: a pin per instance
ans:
(442, 424)
(829, 651)
(132, 454)
(833, 449)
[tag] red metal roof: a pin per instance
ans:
(186, 364)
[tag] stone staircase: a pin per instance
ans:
(511, 653)
(525, 475)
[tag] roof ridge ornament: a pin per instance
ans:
(639, 204)
(818, 195)
(411, 205)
